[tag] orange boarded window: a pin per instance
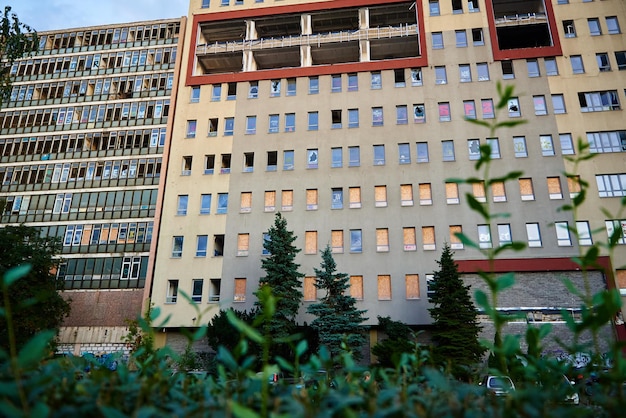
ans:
(408, 239)
(270, 201)
(412, 282)
(380, 195)
(426, 197)
(384, 287)
(246, 201)
(311, 199)
(243, 243)
(406, 194)
(478, 189)
(355, 197)
(382, 239)
(310, 291)
(356, 287)
(336, 238)
(310, 242)
(287, 200)
(498, 191)
(240, 290)
(428, 237)
(526, 189)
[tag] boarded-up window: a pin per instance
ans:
(621, 280)
(246, 202)
(452, 193)
(86, 237)
(455, 242)
(270, 201)
(428, 237)
(240, 290)
(380, 196)
(382, 239)
(412, 286)
(384, 287)
(356, 287)
(408, 238)
(498, 191)
(355, 197)
(573, 184)
(526, 189)
(426, 196)
(243, 244)
(310, 291)
(287, 200)
(554, 188)
(310, 242)
(336, 238)
(406, 195)
(478, 189)
(311, 199)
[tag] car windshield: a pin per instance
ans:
(500, 383)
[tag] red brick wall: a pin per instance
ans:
(103, 307)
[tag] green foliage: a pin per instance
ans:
(399, 341)
(337, 320)
(34, 301)
(220, 331)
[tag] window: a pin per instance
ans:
(274, 124)
(473, 146)
(483, 71)
(311, 158)
(240, 290)
(611, 185)
(248, 162)
(290, 122)
(507, 70)
(487, 108)
(311, 199)
(484, 236)
(551, 67)
(215, 288)
(534, 237)
(337, 198)
(225, 169)
(286, 203)
(437, 38)
(440, 75)
(533, 68)
(353, 82)
(573, 185)
(377, 116)
(384, 287)
(616, 230)
(567, 145)
(465, 73)
(563, 238)
(218, 245)
(519, 146)
(335, 119)
(447, 150)
(379, 155)
(376, 80)
(594, 26)
(416, 76)
(313, 121)
(419, 113)
(398, 76)
(382, 240)
(183, 199)
(569, 29)
(356, 287)
(401, 115)
(428, 238)
(513, 107)
(356, 244)
(478, 190)
(187, 162)
(452, 193)
(216, 94)
(222, 203)
(270, 201)
(275, 88)
(412, 286)
(539, 103)
(611, 141)
(558, 104)
(209, 164)
(229, 126)
(205, 204)
(612, 25)
(205, 4)
(250, 125)
(336, 241)
(314, 85)
(455, 241)
(288, 160)
(433, 7)
(457, 6)
(253, 90)
(598, 101)
(577, 64)
(266, 240)
(195, 94)
(461, 38)
(603, 62)
(353, 118)
(172, 291)
(335, 83)
(310, 291)
(177, 247)
(213, 127)
(554, 188)
(477, 37)
(498, 191)
(526, 189)
(201, 245)
(584, 233)
(404, 153)
(355, 197)
(354, 155)
(406, 195)
(547, 146)
(504, 234)
(429, 283)
(426, 196)
(444, 112)
(232, 91)
(291, 87)
(336, 157)
(620, 57)
(380, 196)
(422, 152)
(408, 238)
(310, 242)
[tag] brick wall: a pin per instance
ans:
(98, 308)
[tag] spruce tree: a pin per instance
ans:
(337, 318)
(283, 277)
(455, 327)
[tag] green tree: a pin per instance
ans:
(220, 331)
(455, 327)
(398, 341)
(34, 300)
(337, 318)
(16, 40)
(283, 277)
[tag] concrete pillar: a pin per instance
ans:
(364, 50)
(364, 18)
(305, 24)
(249, 63)
(251, 32)
(306, 60)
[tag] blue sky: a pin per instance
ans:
(44, 15)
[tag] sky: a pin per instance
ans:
(43, 15)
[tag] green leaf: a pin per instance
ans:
(482, 300)
(512, 175)
(200, 333)
(244, 328)
(479, 122)
(466, 240)
(301, 348)
(16, 273)
(455, 180)
(36, 349)
(510, 123)
(571, 287)
(110, 412)
(505, 281)
(476, 206)
(241, 411)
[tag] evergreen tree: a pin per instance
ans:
(283, 277)
(398, 341)
(337, 318)
(455, 327)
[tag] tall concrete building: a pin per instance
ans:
(81, 146)
(347, 117)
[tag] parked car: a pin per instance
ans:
(498, 385)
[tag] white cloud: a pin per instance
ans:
(65, 14)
